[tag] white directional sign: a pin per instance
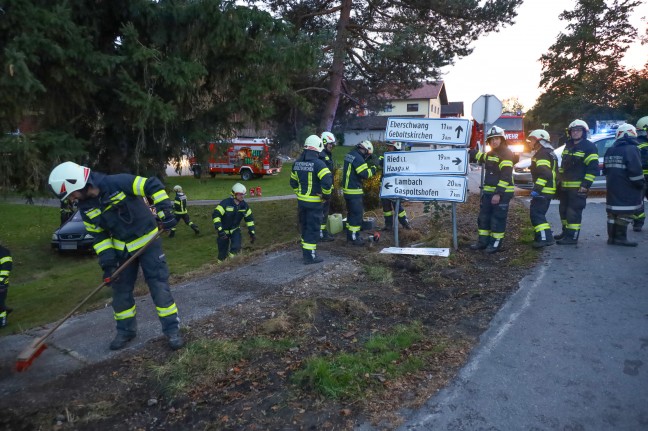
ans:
(444, 131)
(486, 109)
(450, 162)
(424, 188)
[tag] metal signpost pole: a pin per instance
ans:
(455, 242)
(395, 221)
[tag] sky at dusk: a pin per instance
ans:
(506, 64)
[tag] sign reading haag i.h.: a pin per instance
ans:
(452, 161)
(443, 131)
(425, 188)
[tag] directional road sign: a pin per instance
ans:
(424, 188)
(486, 109)
(444, 131)
(452, 161)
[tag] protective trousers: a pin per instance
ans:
(310, 219)
(156, 273)
(229, 246)
(388, 207)
(572, 204)
(326, 206)
(355, 211)
(492, 219)
(639, 217)
(538, 213)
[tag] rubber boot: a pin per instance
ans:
(494, 246)
(355, 239)
(172, 233)
(543, 239)
(195, 228)
(481, 244)
(325, 236)
(561, 235)
(120, 340)
(175, 340)
(637, 226)
(405, 223)
(611, 231)
(389, 223)
(3, 319)
(570, 237)
(311, 257)
(621, 237)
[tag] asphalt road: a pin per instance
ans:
(568, 351)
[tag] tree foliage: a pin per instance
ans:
(139, 81)
(581, 73)
(376, 47)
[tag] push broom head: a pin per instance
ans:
(27, 356)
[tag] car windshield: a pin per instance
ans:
(509, 123)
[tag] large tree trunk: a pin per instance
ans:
(337, 68)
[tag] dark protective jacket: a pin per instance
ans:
(5, 266)
(354, 171)
(180, 203)
(579, 165)
(119, 219)
(643, 150)
(228, 214)
(544, 164)
(625, 180)
(310, 178)
(498, 166)
(327, 157)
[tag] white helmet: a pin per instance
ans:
(626, 130)
(397, 145)
(367, 146)
(315, 142)
(540, 135)
(177, 188)
(579, 123)
(642, 124)
(68, 177)
(238, 188)
(328, 138)
(496, 131)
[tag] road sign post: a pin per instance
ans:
(485, 110)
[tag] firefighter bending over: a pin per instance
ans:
(180, 210)
(227, 218)
(312, 182)
(113, 210)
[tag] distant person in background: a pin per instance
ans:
(328, 140)
(180, 211)
(227, 217)
(625, 184)
(497, 192)
(578, 169)
(543, 173)
(642, 138)
(388, 205)
(6, 264)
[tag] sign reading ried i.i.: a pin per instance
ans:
(453, 161)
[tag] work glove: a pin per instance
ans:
(222, 235)
(252, 237)
(535, 194)
(167, 219)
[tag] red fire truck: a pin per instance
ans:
(513, 125)
(248, 157)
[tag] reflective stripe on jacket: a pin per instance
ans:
(498, 167)
(624, 177)
(579, 165)
(543, 171)
(310, 178)
(180, 203)
(228, 214)
(354, 171)
(6, 264)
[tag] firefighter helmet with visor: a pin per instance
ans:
(494, 132)
(328, 138)
(67, 178)
(579, 123)
(397, 145)
(368, 146)
(177, 188)
(238, 188)
(540, 135)
(314, 141)
(626, 130)
(642, 124)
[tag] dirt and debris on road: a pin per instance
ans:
(452, 299)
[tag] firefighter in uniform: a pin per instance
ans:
(227, 218)
(543, 173)
(625, 184)
(328, 140)
(114, 212)
(312, 182)
(5, 271)
(389, 205)
(642, 138)
(354, 171)
(578, 169)
(497, 192)
(180, 211)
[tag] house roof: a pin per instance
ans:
(429, 90)
(372, 122)
(453, 109)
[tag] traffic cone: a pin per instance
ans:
(251, 191)
(258, 191)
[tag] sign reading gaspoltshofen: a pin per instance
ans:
(444, 131)
(453, 161)
(424, 188)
